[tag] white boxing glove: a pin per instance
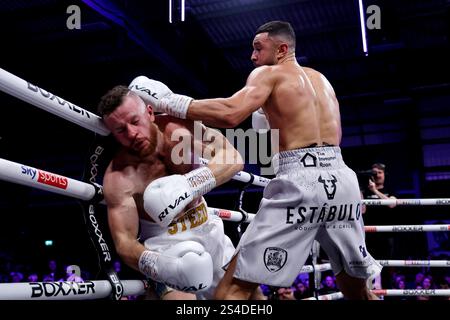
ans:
(185, 266)
(259, 121)
(166, 197)
(160, 97)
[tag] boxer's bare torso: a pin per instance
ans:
(298, 101)
(303, 106)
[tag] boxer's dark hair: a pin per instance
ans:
(279, 28)
(112, 99)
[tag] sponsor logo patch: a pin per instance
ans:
(52, 179)
(275, 258)
(329, 185)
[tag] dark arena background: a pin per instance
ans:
(394, 99)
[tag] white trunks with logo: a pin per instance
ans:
(195, 225)
(314, 196)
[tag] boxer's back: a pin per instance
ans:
(303, 107)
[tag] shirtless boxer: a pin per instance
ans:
(148, 190)
(314, 196)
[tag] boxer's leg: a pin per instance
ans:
(230, 288)
(354, 288)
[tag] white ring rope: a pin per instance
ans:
(317, 267)
(101, 289)
(415, 263)
(409, 228)
(47, 101)
(390, 292)
(245, 176)
(68, 290)
(40, 179)
(385, 263)
(231, 215)
(331, 296)
(412, 292)
(407, 202)
(36, 178)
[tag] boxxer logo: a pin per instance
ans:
(55, 289)
(104, 247)
(118, 287)
(60, 101)
(94, 165)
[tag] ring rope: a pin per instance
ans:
(415, 263)
(44, 180)
(68, 290)
(409, 228)
(390, 292)
(407, 202)
(331, 296)
(385, 263)
(40, 179)
(47, 101)
(29, 176)
(231, 215)
(102, 289)
(412, 292)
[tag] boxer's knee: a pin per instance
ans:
(354, 288)
(179, 295)
(241, 290)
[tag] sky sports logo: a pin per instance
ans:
(45, 177)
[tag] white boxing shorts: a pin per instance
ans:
(195, 225)
(314, 196)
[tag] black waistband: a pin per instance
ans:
(323, 145)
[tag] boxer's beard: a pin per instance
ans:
(152, 142)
